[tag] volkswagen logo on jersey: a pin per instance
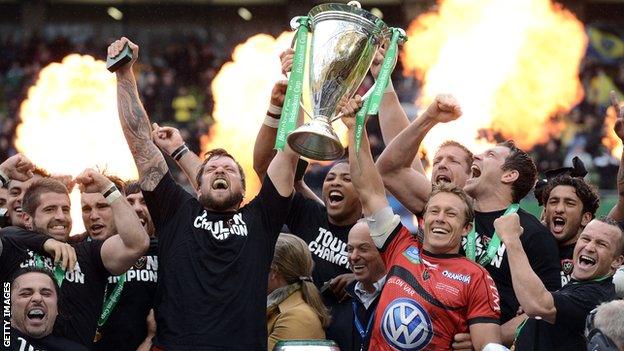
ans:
(406, 325)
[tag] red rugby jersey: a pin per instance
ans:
(429, 298)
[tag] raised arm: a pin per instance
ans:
(263, 151)
(409, 186)
(121, 251)
(170, 141)
(366, 180)
(534, 298)
(617, 212)
(134, 121)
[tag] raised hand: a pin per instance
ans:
(508, 227)
(349, 109)
(618, 128)
(117, 46)
(18, 167)
(278, 94)
(444, 108)
(286, 58)
(167, 139)
(91, 181)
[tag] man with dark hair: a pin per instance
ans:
(501, 177)
(557, 319)
(569, 204)
(97, 214)
(214, 254)
(34, 308)
(46, 208)
(16, 189)
(431, 292)
(130, 297)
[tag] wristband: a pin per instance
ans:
(5, 179)
(111, 194)
(274, 111)
(179, 152)
(271, 122)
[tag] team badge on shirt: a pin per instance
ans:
(406, 325)
(412, 254)
(567, 266)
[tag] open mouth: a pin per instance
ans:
(96, 227)
(220, 184)
(440, 231)
(558, 223)
(586, 261)
(476, 172)
(358, 268)
(35, 314)
(335, 196)
(442, 178)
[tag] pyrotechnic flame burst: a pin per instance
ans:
(511, 65)
(70, 122)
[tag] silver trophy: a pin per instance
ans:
(306, 345)
(344, 40)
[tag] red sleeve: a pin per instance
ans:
(483, 299)
(397, 243)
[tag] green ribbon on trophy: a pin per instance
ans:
(494, 244)
(290, 111)
(59, 272)
(371, 105)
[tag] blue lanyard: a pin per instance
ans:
(359, 325)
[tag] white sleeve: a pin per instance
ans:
(381, 224)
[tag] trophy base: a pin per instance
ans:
(316, 140)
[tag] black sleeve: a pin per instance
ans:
(302, 210)
(543, 254)
(94, 249)
(165, 200)
(273, 208)
(574, 306)
(15, 243)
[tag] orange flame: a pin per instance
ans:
(70, 122)
(242, 90)
(510, 64)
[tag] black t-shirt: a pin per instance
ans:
(566, 262)
(573, 303)
(19, 342)
(126, 326)
(540, 247)
(327, 242)
(82, 290)
(213, 268)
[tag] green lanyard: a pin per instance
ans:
(371, 105)
(59, 272)
(494, 244)
(111, 301)
(288, 120)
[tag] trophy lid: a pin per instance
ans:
(306, 345)
(352, 12)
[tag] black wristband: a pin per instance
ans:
(4, 179)
(179, 152)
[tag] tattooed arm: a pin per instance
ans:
(617, 212)
(135, 123)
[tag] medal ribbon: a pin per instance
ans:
(493, 245)
(59, 272)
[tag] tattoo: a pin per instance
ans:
(620, 177)
(136, 128)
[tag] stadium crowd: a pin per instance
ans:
(160, 268)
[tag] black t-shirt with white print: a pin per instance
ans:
(126, 326)
(540, 247)
(21, 342)
(327, 242)
(213, 268)
(78, 315)
(573, 303)
(566, 262)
